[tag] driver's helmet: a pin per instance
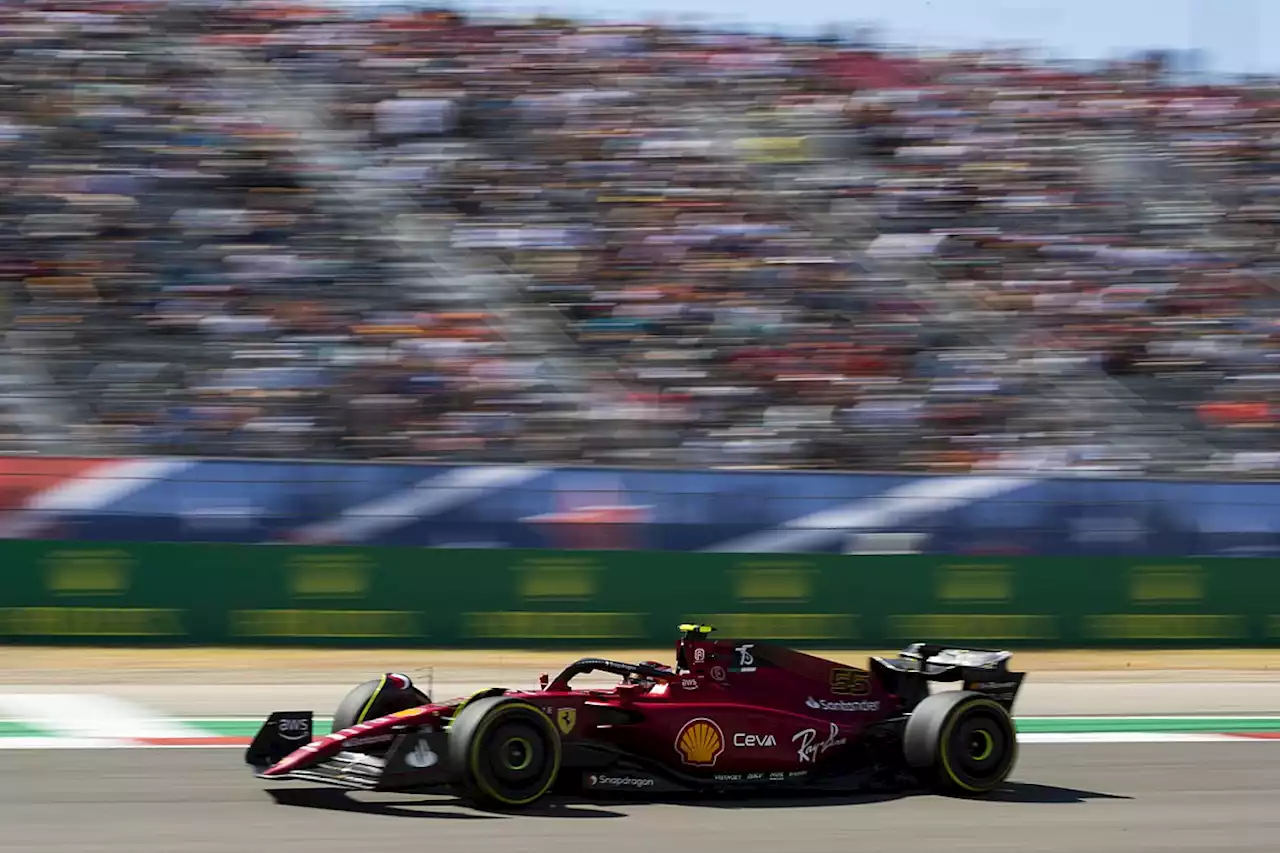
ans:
(645, 681)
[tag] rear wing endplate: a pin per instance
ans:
(980, 670)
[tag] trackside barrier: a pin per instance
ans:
(167, 499)
(174, 594)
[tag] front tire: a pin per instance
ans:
(961, 742)
(377, 698)
(506, 751)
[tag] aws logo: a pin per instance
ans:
(700, 742)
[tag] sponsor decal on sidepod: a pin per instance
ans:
(810, 748)
(842, 705)
(700, 742)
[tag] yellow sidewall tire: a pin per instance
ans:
(470, 737)
(931, 742)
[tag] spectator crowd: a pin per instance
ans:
(251, 229)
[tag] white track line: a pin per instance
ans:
(90, 716)
(1177, 718)
(62, 743)
(99, 743)
(1132, 737)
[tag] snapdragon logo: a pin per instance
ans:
(620, 781)
(850, 707)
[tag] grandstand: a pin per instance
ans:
(259, 230)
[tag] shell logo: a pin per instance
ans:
(700, 742)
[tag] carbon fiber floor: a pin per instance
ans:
(1197, 798)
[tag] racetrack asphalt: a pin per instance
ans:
(1173, 798)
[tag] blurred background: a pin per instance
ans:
(265, 230)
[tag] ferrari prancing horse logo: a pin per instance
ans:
(565, 719)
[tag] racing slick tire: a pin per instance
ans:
(506, 752)
(960, 742)
(376, 698)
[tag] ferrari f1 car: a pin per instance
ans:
(730, 715)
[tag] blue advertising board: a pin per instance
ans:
(496, 506)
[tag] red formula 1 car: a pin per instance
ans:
(730, 716)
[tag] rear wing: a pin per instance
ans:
(980, 670)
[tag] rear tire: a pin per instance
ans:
(506, 751)
(374, 699)
(961, 742)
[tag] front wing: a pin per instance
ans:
(413, 759)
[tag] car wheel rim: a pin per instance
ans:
(981, 745)
(980, 748)
(517, 754)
